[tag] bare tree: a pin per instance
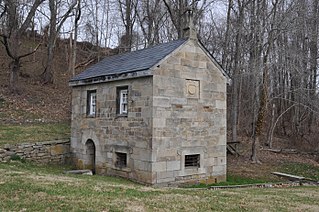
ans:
(54, 28)
(150, 15)
(72, 60)
(128, 14)
(12, 33)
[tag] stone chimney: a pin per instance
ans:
(189, 30)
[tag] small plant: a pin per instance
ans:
(15, 157)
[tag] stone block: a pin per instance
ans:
(161, 101)
(173, 60)
(202, 65)
(165, 180)
(221, 178)
(141, 154)
(159, 122)
(161, 113)
(222, 139)
(219, 170)
(220, 104)
(7, 146)
(142, 165)
(189, 49)
(188, 73)
(164, 175)
(210, 162)
(216, 151)
(173, 165)
(159, 166)
(220, 161)
(58, 149)
(180, 101)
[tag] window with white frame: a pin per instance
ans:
(122, 100)
(91, 103)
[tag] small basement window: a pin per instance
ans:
(121, 160)
(192, 161)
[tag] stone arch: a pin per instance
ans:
(90, 155)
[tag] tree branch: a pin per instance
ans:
(30, 15)
(66, 15)
(6, 45)
(34, 50)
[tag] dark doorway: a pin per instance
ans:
(90, 155)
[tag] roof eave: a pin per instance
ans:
(111, 77)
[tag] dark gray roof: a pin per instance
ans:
(129, 62)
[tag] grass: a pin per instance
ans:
(233, 180)
(28, 187)
(13, 134)
(301, 169)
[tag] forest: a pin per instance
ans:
(269, 48)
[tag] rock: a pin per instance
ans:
(83, 172)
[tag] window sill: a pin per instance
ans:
(191, 171)
(124, 169)
(121, 115)
(90, 116)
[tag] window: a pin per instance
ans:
(122, 94)
(91, 103)
(192, 161)
(121, 160)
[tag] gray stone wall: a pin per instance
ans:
(48, 152)
(189, 117)
(112, 133)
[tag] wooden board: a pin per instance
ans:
(289, 176)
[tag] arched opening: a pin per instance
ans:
(90, 155)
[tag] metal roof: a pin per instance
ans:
(129, 62)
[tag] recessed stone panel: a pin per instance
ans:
(192, 88)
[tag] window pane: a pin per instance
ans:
(91, 102)
(192, 161)
(123, 101)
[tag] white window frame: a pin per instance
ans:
(92, 103)
(123, 101)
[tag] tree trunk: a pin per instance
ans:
(313, 58)
(234, 113)
(14, 73)
(47, 75)
(227, 35)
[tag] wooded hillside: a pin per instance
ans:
(268, 47)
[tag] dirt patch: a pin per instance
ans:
(304, 207)
(270, 162)
(137, 207)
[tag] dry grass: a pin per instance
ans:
(26, 187)
(28, 133)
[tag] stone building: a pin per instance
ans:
(156, 116)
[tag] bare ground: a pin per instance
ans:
(270, 161)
